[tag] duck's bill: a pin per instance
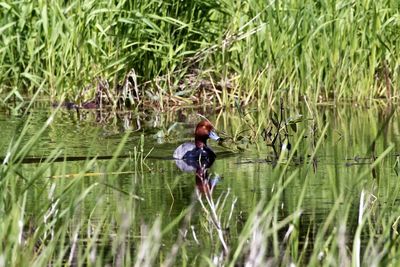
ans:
(214, 136)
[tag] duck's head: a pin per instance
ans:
(204, 130)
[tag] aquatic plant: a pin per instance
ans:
(53, 214)
(200, 51)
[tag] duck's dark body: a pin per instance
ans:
(190, 151)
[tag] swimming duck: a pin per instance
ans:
(198, 149)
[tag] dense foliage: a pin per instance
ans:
(323, 49)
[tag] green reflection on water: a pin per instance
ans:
(353, 139)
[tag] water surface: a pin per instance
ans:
(354, 138)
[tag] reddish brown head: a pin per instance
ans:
(204, 130)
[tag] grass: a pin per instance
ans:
(52, 217)
(227, 51)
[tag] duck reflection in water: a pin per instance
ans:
(205, 182)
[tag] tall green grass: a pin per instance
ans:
(50, 217)
(251, 51)
(60, 47)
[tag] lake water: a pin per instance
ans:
(354, 138)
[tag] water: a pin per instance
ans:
(353, 138)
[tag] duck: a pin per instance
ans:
(198, 149)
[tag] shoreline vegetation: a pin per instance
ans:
(180, 51)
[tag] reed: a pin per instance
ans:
(51, 217)
(246, 52)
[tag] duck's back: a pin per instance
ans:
(181, 150)
(190, 151)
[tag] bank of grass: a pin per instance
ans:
(248, 51)
(50, 217)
